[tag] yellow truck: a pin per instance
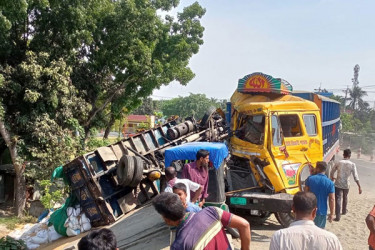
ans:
(275, 136)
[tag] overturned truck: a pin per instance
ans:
(112, 180)
(274, 136)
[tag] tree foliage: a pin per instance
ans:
(356, 98)
(41, 107)
(148, 107)
(68, 66)
(194, 104)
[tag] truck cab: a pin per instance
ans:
(281, 130)
(277, 138)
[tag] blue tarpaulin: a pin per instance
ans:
(218, 152)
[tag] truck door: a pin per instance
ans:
(289, 146)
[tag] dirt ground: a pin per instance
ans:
(351, 229)
(5, 211)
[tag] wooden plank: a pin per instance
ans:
(106, 153)
(119, 150)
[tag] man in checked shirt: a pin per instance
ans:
(344, 169)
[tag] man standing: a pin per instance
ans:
(344, 168)
(370, 221)
(197, 171)
(202, 230)
(323, 188)
(171, 176)
(303, 233)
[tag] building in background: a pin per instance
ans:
(134, 123)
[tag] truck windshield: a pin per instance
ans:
(251, 128)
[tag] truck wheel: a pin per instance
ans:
(284, 218)
(207, 116)
(138, 171)
(125, 170)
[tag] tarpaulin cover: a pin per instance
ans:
(59, 173)
(218, 152)
(58, 218)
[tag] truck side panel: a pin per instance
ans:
(331, 126)
(330, 116)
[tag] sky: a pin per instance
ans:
(306, 42)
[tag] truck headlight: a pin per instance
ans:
(303, 175)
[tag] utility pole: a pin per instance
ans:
(319, 89)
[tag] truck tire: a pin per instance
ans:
(138, 171)
(125, 170)
(207, 116)
(284, 218)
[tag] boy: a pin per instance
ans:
(180, 190)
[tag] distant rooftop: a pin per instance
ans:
(138, 118)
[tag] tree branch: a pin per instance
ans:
(99, 109)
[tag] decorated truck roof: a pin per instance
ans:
(258, 92)
(259, 82)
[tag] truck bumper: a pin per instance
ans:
(281, 202)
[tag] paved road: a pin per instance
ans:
(366, 172)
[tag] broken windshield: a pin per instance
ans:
(251, 128)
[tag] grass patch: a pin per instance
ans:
(12, 221)
(114, 139)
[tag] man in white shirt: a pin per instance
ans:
(303, 233)
(344, 169)
(171, 176)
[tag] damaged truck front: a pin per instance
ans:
(275, 137)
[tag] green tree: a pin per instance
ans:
(339, 98)
(122, 48)
(39, 109)
(194, 104)
(146, 108)
(71, 64)
(356, 98)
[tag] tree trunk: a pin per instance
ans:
(87, 135)
(20, 193)
(20, 187)
(109, 126)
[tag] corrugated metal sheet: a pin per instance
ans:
(330, 111)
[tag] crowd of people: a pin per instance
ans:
(181, 206)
